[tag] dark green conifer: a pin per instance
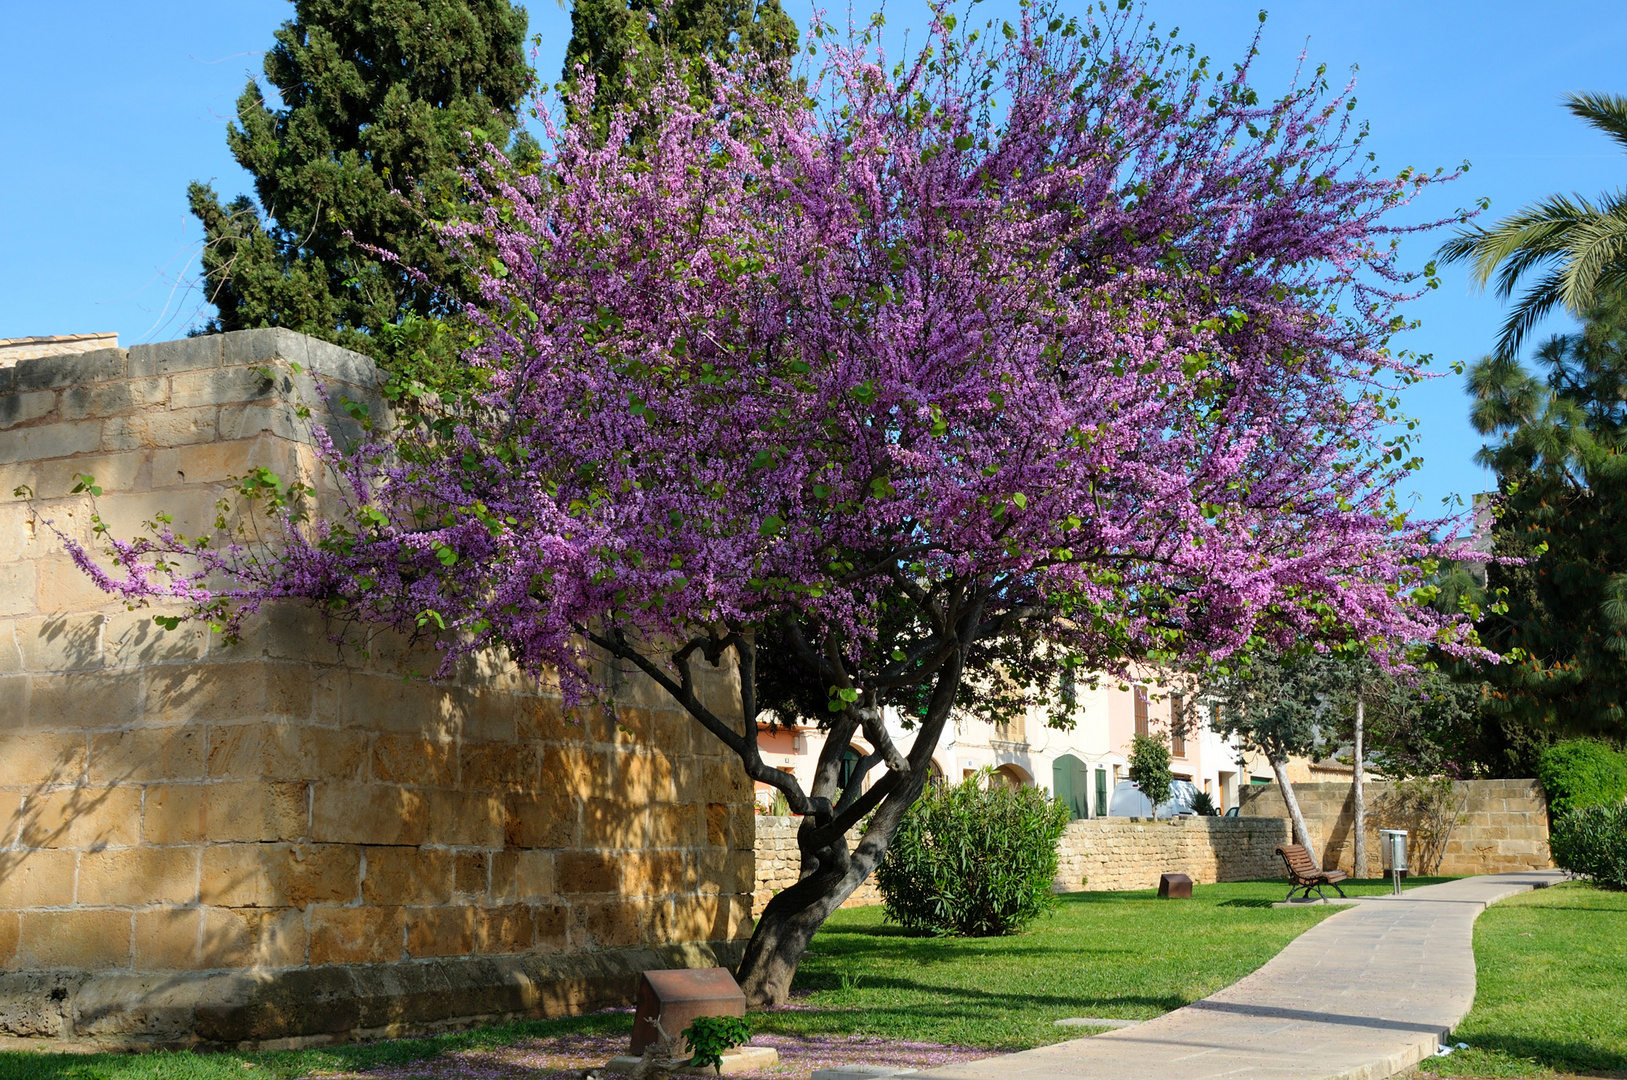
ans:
(623, 43)
(376, 97)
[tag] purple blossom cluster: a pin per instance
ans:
(561, 1056)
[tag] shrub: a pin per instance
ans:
(1149, 769)
(1579, 773)
(974, 859)
(1203, 805)
(1593, 841)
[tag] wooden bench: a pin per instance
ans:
(1303, 873)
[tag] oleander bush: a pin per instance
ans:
(1592, 841)
(1579, 773)
(974, 859)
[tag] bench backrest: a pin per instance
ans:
(1298, 860)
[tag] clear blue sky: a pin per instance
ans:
(111, 108)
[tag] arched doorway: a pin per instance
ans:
(1014, 775)
(934, 774)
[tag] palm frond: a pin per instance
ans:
(1596, 246)
(1531, 309)
(1607, 112)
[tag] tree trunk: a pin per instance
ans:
(1358, 797)
(830, 875)
(1301, 835)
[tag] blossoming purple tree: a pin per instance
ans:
(1048, 348)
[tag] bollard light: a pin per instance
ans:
(1394, 845)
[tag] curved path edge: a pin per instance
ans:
(1363, 994)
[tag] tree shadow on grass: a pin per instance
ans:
(1557, 1054)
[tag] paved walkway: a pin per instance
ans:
(1362, 995)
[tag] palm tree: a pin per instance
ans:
(1580, 247)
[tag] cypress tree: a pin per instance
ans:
(376, 97)
(623, 43)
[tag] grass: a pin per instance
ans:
(1124, 955)
(1551, 969)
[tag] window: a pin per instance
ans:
(850, 763)
(1101, 792)
(1141, 710)
(1068, 689)
(1177, 726)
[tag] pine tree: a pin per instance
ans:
(377, 96)
(1560, 453)
(623, 43)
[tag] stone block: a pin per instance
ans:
(521, 876)
(145, 754)
(87, 940)
(73, 369)
(112, 398)
(18, 589)
(220, 386)
(60, 586)
(21, 408)
(168, 357)
(279, 875)
(506, 929)
(279, 419)
(356, 935)
(578, 769)
(407, 876)
(543, 717)
(59, 642)
(587, 872)
(465, 818)
(548, 819)
(255, 811)
(472, 875)
(230, 693)
(153, 429)
(138, 875)
(614, 823)
(609, 924)
(286, 752)
(61, 439)
(175, 814)
(80, 817)
(440, 931)
(37, 878)
(349, 813)
(414, 759)
(498, 766)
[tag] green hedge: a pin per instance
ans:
(1593, 841)
(1579, 773)
(975, 859)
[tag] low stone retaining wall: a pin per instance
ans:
(1489, 827)
(779, 864)
(1103, 853)
(1129, 853)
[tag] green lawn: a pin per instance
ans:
(1552, 987)
(1126, 955)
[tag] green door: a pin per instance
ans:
(1101, 792)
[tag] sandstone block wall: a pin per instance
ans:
(1130, 853)
(1501, 825)
(1098, 854)
(286, 840)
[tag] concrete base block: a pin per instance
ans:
(860, 1072)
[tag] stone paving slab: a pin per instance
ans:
(1364, 994)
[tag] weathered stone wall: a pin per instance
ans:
(1501, 825)
(1109, 854)
(282, 839)
(779, 864)
(1098, 854)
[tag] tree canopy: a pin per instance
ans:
(1559, 448)
(1050, 346)
(625, 45)
(377, 97)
